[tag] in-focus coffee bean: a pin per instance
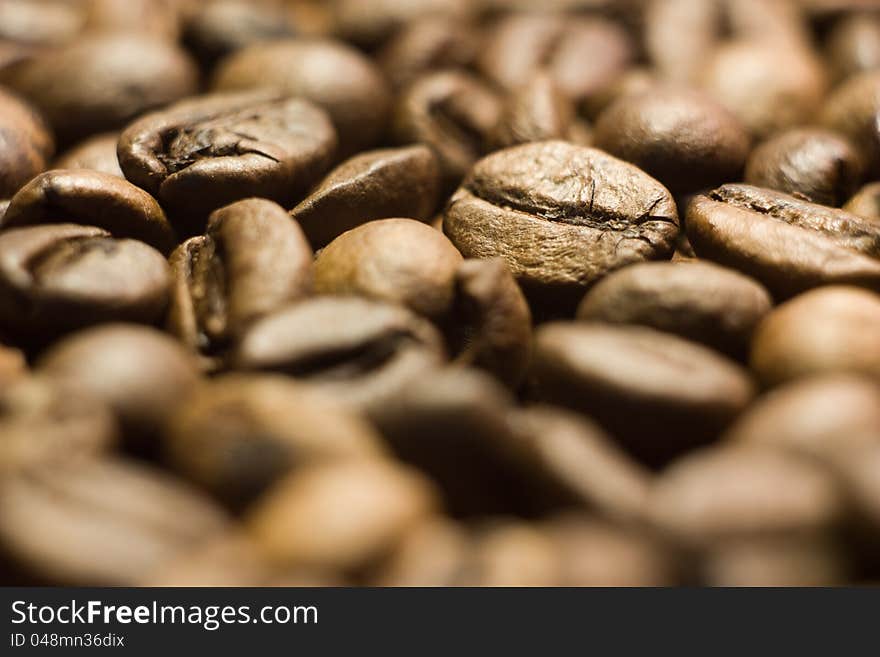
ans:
(28, 143)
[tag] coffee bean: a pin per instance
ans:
(454, 113)
(582, 55)
(329, 73)
(769, 86)
(100, 82)
(140, 373)
(788, 244)
(683, 138)
(634, 380)
(536, 111)
(339, 516)
(238, 434)
(865, 202)
(716, 496)
(392, 182)
(851, 109)
(491, 327)
(561, 216)
(396, 260)
(428, 44)
(96, 153)
(832, 329)
(252, 260)
(361, 352)
(103, 522)
(42, 422)
(28, 144)
(853, 45)
(818, 165)
(90, 198)
(58, 277)
(697, 300)
(825, 416)
(204, 153)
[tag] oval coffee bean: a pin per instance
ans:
(237, 434)
(683, 138)
(537, 111)
(491, 326)
(391, 182)
(27, 144)
(454, 113)
(339, 516)
(851, 109)
(562, 216)
(329, 73)
(140, 373)
(824, 416)
(697, 300)
(716, 495)
(42, 422)
(788, 244)
(816, 164)
(91, 198)
(204, 153)
(104, 522)
(252, 260)
(634, 380)
(853, 45)
(396, 260)
(59, 277)
(96, 153)
(832, 329)
(361, 352)
(100, 82)
(521, 44)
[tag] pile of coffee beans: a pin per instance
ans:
(439, 292)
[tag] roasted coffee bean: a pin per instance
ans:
(454, 113)
(634, 380)
(428, 44)
(100, 82)
(361, 352)
(27, 141)
(104, 522)
(852, 110)
(341, 516)
(573, 462)
(491, 327)
(818, 165)
(683, 138)
(252, 260)
(832, 329)
(788, 244)
(59, 277)
(825, 416)
(561, 216)
(865, 202)
(96, 153)
(204, 153)
(583, 55)
(697, 300)
(853, 45)
(715, 496)
(329, 73)
(769, 86)
(238, 434)
(221, 27)
(396, 260)
(91, 198)
(535, 112)
(369, 22)
(391, 182)
(42, 422)
(140, 373)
